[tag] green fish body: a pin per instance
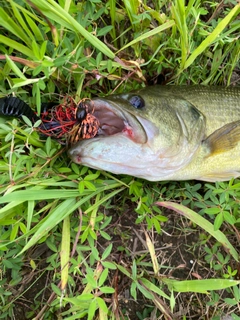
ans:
(166, 133)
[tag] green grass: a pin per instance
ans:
(72, 226)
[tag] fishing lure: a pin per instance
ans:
(66, 122)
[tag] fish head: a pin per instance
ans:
(145, 134)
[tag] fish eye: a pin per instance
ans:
(137, 102)
(81, 112)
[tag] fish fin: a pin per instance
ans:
(220, 176)
(224, 139)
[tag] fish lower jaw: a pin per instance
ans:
(150, 173)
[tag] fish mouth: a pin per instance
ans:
(119, 137)
(114, 120)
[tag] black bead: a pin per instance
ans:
(81, 113)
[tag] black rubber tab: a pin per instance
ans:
(15, 107)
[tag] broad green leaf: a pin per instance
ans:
(107, 251)
(103, 277)
(218, 221)
(89, 185)
(15, 68)
(107, 290)
(229, 218)
(92, 176)
(109, 265)
(145, 292)
(23, 83)
(56, 289)
(103, 234)
(102, 306)
(14, 232)
(133, 290)
(92, 309)
(213, 210)
(124, 271)
(154, 288)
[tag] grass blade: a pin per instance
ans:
(112, 6)
(54, 11)
(148, 34)
(213, 36)
(22, 195)
(57, 215)
(10, 25)
(21, 21)
(152, 254)
(65, 252)
(131, 8)
(17, 46)
(200, 286)
(36, 31)
(67, 5)
(180, 16)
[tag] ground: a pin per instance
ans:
(179, 253)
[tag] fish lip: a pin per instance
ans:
(120, 121)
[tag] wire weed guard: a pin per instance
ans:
(58, 120)
(66, 122)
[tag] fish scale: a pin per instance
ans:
(213, 102)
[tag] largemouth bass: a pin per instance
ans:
(166, 133)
